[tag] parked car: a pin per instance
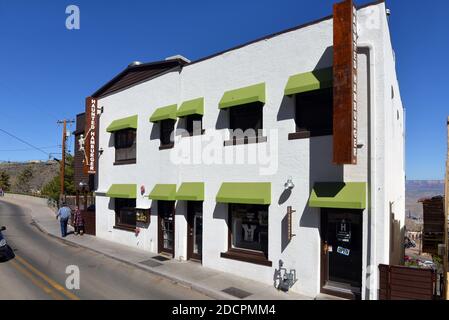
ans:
(428, 264)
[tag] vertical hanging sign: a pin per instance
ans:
(345, 83)
(90, 147)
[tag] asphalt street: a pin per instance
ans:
(38, 270)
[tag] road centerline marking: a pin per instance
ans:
(38, 283)
(47, 279)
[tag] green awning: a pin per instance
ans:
(255, 93)
(123, 191)
(164, 113)
(187, 108)
(351, 195)
(125, 123)
(246, 193)
(166, 192)
(191, 191)
(309, 81)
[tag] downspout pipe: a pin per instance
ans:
(371, 268)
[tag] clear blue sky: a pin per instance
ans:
(46, 71)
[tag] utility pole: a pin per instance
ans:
(62, 163)
(446, 215)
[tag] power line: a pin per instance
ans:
(23, 141)
(19, 150)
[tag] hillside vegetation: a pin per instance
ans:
(28, 177)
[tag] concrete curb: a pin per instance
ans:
(195, 287)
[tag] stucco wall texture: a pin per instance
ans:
(273, 61)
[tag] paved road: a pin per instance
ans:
(38, 270)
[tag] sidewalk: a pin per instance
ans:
(189, 274)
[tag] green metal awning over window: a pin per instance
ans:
(191, 191)
(255, 93)
(166, 192)
(309, 81)
(164, 113)
(121, 124)
(187, 108)
(351, 195)
(123, 191)
(246, 193)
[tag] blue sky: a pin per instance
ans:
(46, 71)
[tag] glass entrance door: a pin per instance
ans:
(166, 211)
(342, 251)
(195, 230)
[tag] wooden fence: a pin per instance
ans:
(405, 283)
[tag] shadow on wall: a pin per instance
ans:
(222, 120)
(155, 131)
(327, 59)
(111, 142)
(397, 248)
(286, 109)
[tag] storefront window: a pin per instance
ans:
(249, 227)
(125, 213)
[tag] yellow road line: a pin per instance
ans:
(38, 283)
(51, 282)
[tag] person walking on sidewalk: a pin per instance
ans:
(64, 214)
(78, 222)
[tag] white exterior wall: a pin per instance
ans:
(307, 160)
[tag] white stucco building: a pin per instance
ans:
(224, 201)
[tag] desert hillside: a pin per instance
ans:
(418, 189)
(41, 173)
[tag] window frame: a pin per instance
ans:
(188, 121)
(236, 112)
(246, 255)
(118, 147)
(303, 133)
(162, 124)
(118, 209)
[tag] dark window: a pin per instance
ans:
(167, 128)
(125, 146)
(125, 213)
(246, 124)
(194, 124)
(314, 111)
(249, 227)
(246, 117)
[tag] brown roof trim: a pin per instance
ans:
(301, 26)
(164, 65)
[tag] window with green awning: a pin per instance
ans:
(245, 193)
(164, 113)
(191, 107)
(122, 191)
(247, 95)
(121, 124)
(309, 81)
(191, 191)
(164, 192)
(339, 195)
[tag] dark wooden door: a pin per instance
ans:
(166, 228)
(341, 263)
(194, 230)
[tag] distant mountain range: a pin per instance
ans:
(418, 189)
